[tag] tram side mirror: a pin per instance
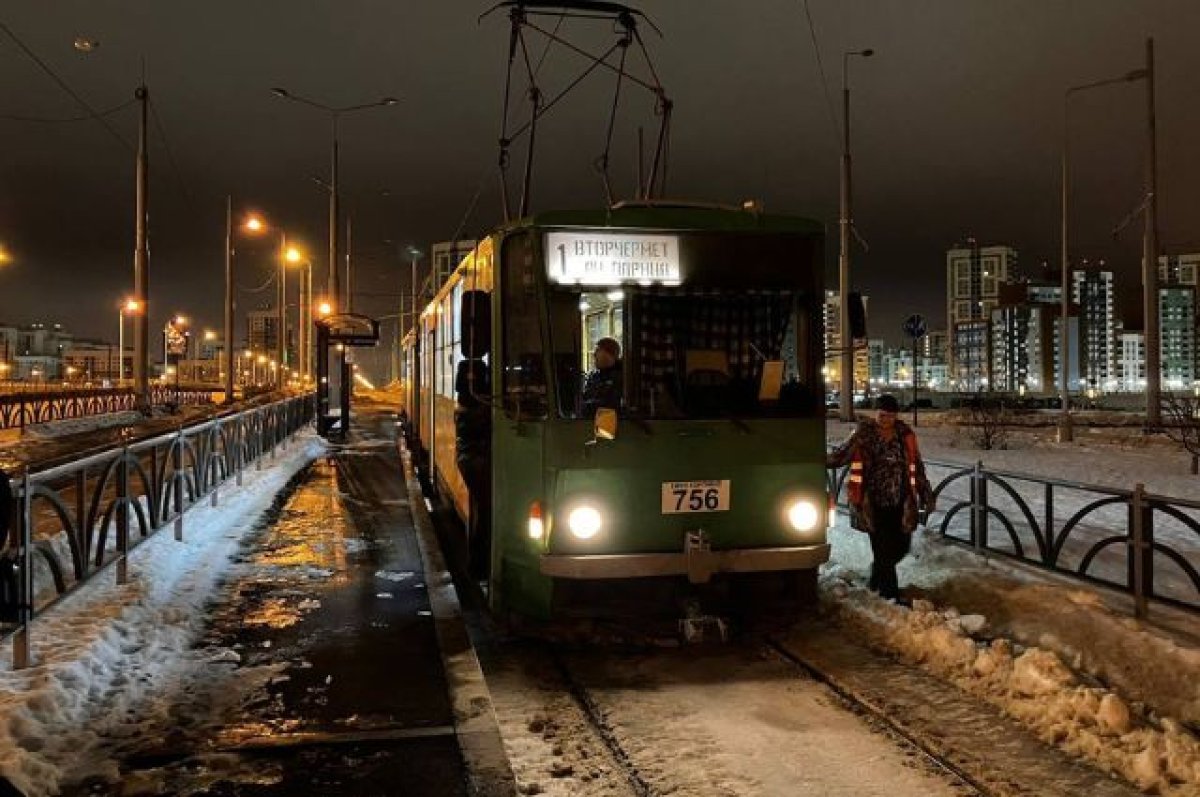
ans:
(858, 317)
(475, 324)
(605, 424)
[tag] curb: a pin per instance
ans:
(489, 773)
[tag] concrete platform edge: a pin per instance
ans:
(489, 772)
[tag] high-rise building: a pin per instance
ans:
(1177, 335)
(1025, 340)
(831, 316)
(935, 346)
(262, 331)
(1183, 269)
(1131, 361)
(876, 367)
(974, 275)
(1092, 291)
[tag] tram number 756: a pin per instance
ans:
(695, 496)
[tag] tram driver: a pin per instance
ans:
(603, 386)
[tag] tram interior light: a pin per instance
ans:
(585, 522)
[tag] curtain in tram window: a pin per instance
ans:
(748, 327)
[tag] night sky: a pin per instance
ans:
(957, 127)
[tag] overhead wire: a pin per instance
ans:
(162, 134)
(13, 117)
(812, 32)
(64, 86)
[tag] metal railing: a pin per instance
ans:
(18, 410)
(1130, 540)
(81, 518)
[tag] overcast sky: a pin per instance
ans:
(957, 126)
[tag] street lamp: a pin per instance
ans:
(253, 225)
(1065, 432)
(335, 112)
(845, 220)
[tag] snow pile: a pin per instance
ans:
(1031, 684)
(1141, 660)
(107, 649)
(91, 423)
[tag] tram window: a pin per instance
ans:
(525, 394)
(687, 353)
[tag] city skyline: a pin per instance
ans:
(971, 109)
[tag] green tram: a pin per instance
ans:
(709, 473)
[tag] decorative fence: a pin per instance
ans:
(79, 519)
(18, 410)
(1130, 540)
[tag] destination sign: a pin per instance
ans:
(612, 258)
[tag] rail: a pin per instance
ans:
(18, 410)
(77, 519)
(1137, 542)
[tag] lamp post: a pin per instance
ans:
(845, 220)
(281, 318)
(128, 307)
(296, 257)
(1065, 431)
(252, 225)
(335, 113)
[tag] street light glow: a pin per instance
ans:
(293, 255)
(180, 320)
(132, 305)
(255, 224)
(5, 257)
(324, 309)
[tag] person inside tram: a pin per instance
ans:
(603, 387)
(473, 453)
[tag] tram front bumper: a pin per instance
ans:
(698, 563)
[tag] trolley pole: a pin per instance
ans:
(1150, 257)
(845, 220)
(141, 265)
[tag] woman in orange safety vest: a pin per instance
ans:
(887, 490)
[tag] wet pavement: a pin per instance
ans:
(327, 677)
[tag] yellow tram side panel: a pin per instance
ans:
(439, 329)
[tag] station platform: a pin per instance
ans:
(371, 685)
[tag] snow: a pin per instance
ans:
(1050, 654)
(91, 423)
(694, 721)
(106, 649)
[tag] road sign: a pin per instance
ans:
(914, 326)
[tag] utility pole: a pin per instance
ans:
(281, 336)
(333, 215)
(141, 265)
(845, 220)
(349, 280)
(227, 354)
(1150, 257)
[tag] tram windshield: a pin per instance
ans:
(732, 333)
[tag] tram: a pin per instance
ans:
(706, 474)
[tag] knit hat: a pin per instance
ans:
(887, 402)
(611, 346)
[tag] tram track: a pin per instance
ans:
(598, 722)
(865, 707)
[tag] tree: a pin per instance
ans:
(988, 421)
(1181, 423)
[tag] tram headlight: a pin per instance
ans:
(803, 515)
(585, 522)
